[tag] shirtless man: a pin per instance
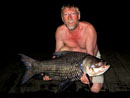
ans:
(75, 35)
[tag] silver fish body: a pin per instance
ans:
(67, 66)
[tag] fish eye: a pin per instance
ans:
(93, 66)
(97, 64)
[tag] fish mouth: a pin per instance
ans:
(105, 69)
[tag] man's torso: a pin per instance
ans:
(77, 39)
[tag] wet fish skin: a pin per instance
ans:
(67, 66)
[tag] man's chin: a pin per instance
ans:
(71, 27)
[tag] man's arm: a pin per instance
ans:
(59, 45)
(90, 47)
(91, 41)
(59, 42)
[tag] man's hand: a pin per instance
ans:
(53, 57)
(45, 77)
(84, 79)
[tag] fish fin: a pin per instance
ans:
(26, 60)
(28, 64)
(27, 76)
(60, 53)
(90, 82)
(65, 84)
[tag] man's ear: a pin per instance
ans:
(79, 16)
(62, 18)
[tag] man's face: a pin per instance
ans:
(70, 17)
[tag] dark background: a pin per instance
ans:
(30, 26)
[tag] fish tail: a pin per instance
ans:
(28, 64)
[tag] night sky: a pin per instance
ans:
(31, 26)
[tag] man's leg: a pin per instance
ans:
(96, 87)
(97, 83)
(97, 80)
(65, 48)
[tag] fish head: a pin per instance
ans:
(94, 66)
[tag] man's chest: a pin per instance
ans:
(75, 41)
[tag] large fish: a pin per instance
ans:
(67, 67)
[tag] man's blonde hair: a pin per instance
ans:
(69, 6)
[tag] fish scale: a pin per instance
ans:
(64, 70)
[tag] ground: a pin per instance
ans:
(117, 80)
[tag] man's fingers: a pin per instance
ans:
(53, 57)
(84, 79)
(42, 74)
(46, 78)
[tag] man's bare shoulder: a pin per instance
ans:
(60, 30)
(86, 24)
(88, 27)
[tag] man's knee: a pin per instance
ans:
(64, 48)
(96, 88)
